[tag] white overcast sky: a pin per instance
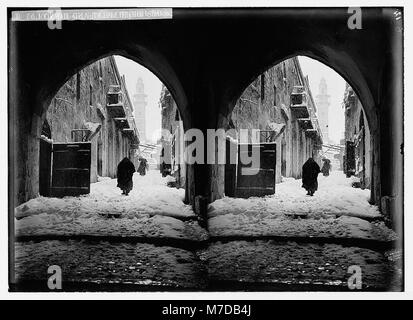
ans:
(314, 69)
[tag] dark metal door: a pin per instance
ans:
(100, 158)
(45, 167)
(262, 183)
(284, 159)
(350, 159)
(230, 168)
(71, 169)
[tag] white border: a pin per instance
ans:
(4, 294)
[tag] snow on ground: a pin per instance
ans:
(335, 196)
(150, 210)
(335, 210)
(284, 226)
(150, 195)
(106, 263)
(142, 225)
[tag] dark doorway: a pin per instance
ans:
(100, 157)
(350, 159)
(45, 160)
(230, 168)
(284, 159)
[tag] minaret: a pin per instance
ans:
(323, 103)
(139, 103)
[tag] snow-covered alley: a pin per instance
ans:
(151, 239)
(336, 210)
(151, 210)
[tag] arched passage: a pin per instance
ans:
(267, 104)
(84, 110)
(45, 96)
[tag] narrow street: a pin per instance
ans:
(151, 240)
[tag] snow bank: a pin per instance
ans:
(143, 225)
(335, 196)
(150, 210)
(335, 210)
(150, 195)
(284, 226)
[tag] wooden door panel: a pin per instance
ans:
(263, 181)
(71, 169)
(45, 167)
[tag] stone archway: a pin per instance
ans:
(36, 120)
(354, 79)
(209, 72)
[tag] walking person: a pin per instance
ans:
(310, 172)
(143, 166)
(125, 174)
(326, 167)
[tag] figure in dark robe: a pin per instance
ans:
(310, 172)
(124, 174)
(143, 166)
(325, 169)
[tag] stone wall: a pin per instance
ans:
(357, 131)
(81, 104)
(173, 146)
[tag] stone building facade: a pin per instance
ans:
(172, 139)
(266, 105)
(82, 111)
(357, 155)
